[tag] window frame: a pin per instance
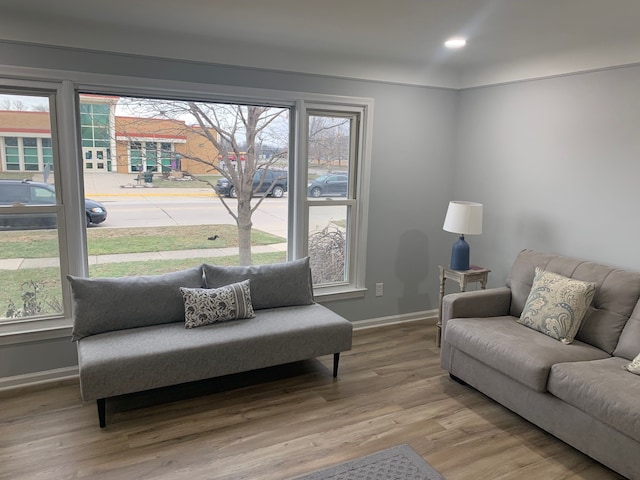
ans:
(69, 207)
(359, 196)
(65, 88)
(354, 114)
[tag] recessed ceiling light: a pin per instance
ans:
(456, 42)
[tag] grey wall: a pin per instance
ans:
(557, 164)
(555, 161)
(411, 178)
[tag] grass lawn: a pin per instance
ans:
(14, 284)
(105, 240)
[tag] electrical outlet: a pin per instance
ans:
(379, 289)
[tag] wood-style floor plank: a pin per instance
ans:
(282, 422)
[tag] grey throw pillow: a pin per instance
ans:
(204, 306)
(273, 285)
(106, 304)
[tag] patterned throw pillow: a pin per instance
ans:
(203, 306)
(634, 366)
(557, 305)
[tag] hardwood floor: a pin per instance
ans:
(282, 422)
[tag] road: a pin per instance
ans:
(160, 210)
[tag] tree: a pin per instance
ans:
(328, 141)
(253, 121)
(237, 132)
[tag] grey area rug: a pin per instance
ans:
(396, 463)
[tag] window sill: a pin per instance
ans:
(338, 293)
(34, 330)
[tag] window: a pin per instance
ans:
(30, 152)
(333, 156)
(30, 212)
(94, 123)
(203, 158)
(25, 154)
(47, 152)
(135, 157)
(11, 153)
(204, 207)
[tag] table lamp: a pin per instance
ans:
(463, 218)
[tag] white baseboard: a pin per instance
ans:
(37, 378)
(429, 316)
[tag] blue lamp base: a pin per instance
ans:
(460, 255)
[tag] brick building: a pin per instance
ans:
(110, 143)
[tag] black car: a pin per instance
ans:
(277, 178)
(27, 192)
(328, 185)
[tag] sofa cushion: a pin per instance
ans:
(272, 285)
(106, 304)
(204, 306)
(629, 344)
(617, 293)
(602, 389)
(519, 352)
(557, 305)
(136, 359)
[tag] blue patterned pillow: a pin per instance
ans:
(204, 306)
(557, 305)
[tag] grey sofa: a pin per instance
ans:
(131, 334)
(580, 392)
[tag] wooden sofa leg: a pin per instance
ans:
(102, 412)
(336, 361)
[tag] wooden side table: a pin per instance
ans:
(463, 277)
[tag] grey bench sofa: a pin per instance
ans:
(580, 392)
(131, 334)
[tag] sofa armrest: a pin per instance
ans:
(493, 302)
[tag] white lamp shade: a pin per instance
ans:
(464, 218)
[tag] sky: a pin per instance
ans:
(11, 102)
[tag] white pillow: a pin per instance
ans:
(204, 306)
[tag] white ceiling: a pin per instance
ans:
(389, 40)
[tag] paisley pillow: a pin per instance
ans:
(557, 305)
(204, 306)
(634, 366)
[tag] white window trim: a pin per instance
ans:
(354, 286)
(72, 245)
(74, 252)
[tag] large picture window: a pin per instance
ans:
(209, 185)
(169, 183)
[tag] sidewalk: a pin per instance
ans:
(126, 184)
(24, 263)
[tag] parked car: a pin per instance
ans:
(277, 178)
(328, 185)
(27, 192)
